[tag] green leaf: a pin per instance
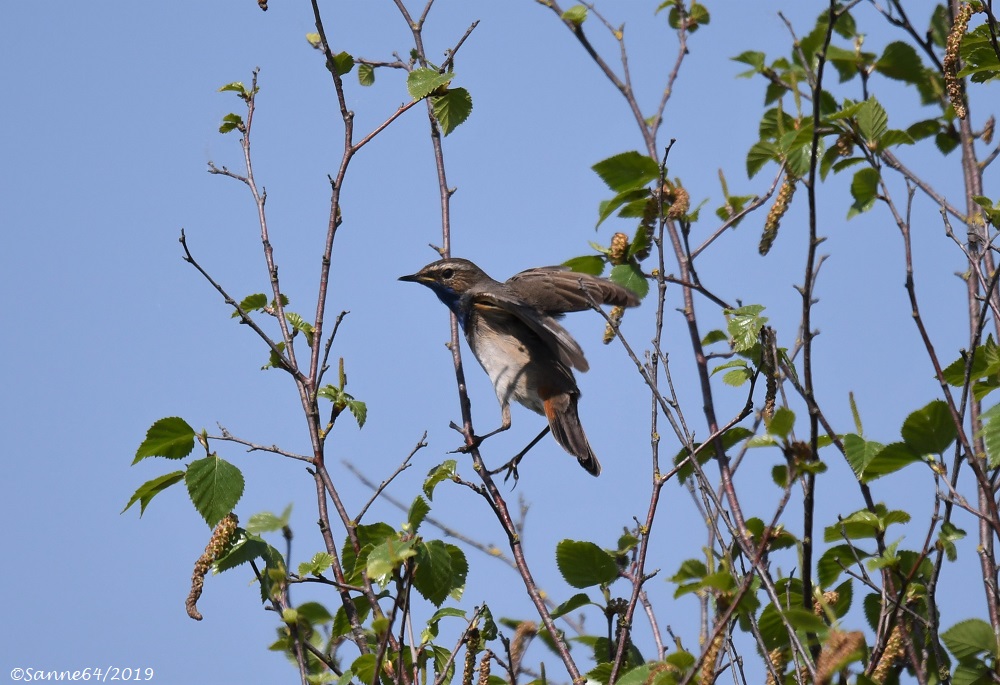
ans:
(744, 326)
(587, 264)
(572, 604)
(231, 122)
(584, 564)
(781, 423)
(835, 560)
(359, 410)
(235, 86)
(872, 121)
(364, 668)
(444, 471)
(343, 63)
(889, 459)
(947, 536)
(859, 452)
(215, 486)
(577, 14)
(452, 108)
(900, 61)
(760, 154)
(929, 430)
(151, 488)
(342, 625)
(251, 303)
(320, 562)
(991, 434)
(418, 512)
(970, 638)
(366, 74)
(864, 190)
(627, 171)
(171, 437)
(246, 547)
(266, 522)
(629, 276)
(432, 575)
(627, 197)
(386, 557)
(423, 81)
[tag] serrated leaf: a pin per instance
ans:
(587, 264)
(343, 62)
(386, 557)
(860, 452)
(452, 108)
(246, 547)
(782, 422)
(423, 81)
(627, 171)
(929, 430)
(583, 564)
(215, 486)
(444, 471)
(835, 561)
(760, 154)
(366, 74)
(608, 207)
(151, 488)
(900, 61)
(231, 122)
(432, 575)
(629, 276)
(864, 190)
(572, 604)
(744, 326)
(320, 562)
(872, 120)
(418, 512)
(359, 410)
(170, 437)
(970, 638)
(251, 303)
(890, 459)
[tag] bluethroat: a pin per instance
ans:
(513, 331)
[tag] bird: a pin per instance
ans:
(512, 330)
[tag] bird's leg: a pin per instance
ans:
(511, 466)
(477, 440)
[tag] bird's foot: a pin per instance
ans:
(511, 468)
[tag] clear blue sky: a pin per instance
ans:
(109, 118)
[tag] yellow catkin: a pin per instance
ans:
(680, 204)
(837, 648)
(777, 659)
(708, 665)
(618, 253)
(484, 668)
(617, 312)
(773, 220)
(830, 598)
(988, 128)
(951, 59)
(525, 632)
(893, 651)
(221, 536)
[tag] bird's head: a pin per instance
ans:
(449, 279)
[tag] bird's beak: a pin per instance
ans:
(413, 278)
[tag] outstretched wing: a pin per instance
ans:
(496, 306)
(556, 290)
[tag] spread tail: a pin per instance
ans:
(564, 421)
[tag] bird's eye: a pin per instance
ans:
(447, 274)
